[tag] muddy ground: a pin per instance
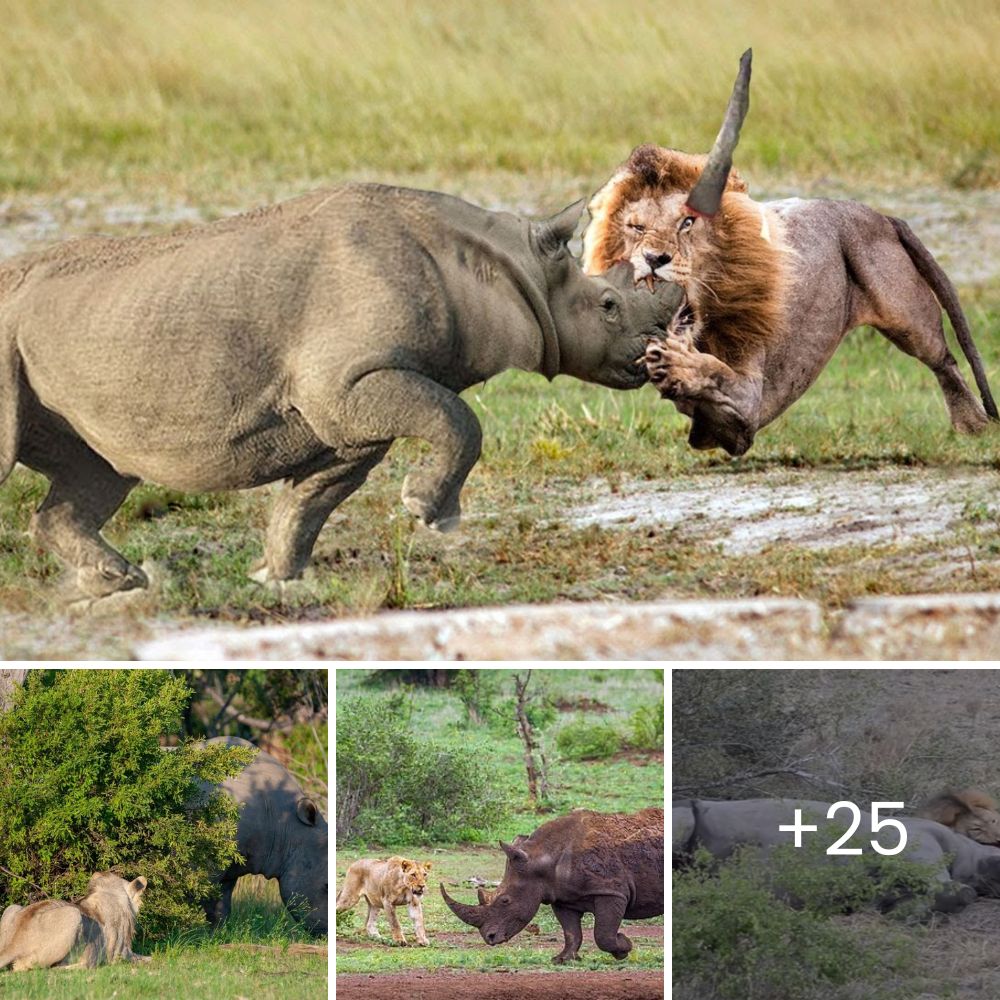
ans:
(622, 985)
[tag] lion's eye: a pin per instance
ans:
(636, 227)
(686, 224)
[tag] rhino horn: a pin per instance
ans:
(557, 231)
(706, 195)
(471, 915)
(514, 853)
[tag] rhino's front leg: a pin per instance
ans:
(569, 920)
(608, 914)
(724, 404)
(389, 404)
(301, 511)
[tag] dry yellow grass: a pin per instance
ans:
(213, 95)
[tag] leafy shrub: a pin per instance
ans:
(85, 787)
(732, 938)
(646, 727)
(583, 740)
(394, 787)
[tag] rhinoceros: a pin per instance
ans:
(281, 834)
(964, 868)
(608, 864)
(291, 343)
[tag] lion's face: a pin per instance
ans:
(413, 876)
(661, 239)
(980, 824)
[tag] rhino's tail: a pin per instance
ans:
(10, 399)
(944, 291)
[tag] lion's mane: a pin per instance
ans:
(746, 268)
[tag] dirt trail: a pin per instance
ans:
(617, 985)
(815, 509)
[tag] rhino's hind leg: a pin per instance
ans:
(85, 491)
(302, 509)
(390, 404)
(608, 914)
(569, 920)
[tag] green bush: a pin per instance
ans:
(646, 727)
(583, 740)
(394, 787)
(85, 787)
(732, 938)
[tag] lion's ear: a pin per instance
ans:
(137, 887)
(427, 866)
(407, 866)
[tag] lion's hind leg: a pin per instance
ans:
(893, 296)
(350, 893)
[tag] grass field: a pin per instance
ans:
(456, 946)
(207, 97)
(626, 783)
(137, 117)
(259, 952)
(546, 449)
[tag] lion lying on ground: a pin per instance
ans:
(771, 288)
(386, 885)
(96, 930)
(972, 812)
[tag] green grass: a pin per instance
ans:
(249, 955)
(465, 949)
(545, 448)
(615, 785)
(209, 96)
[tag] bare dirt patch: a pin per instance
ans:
(814, 509)
(622, 985)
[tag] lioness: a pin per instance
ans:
(385, 885)
(972, 812)
(96, 930)
(771, 288)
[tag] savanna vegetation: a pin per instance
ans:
(85, 786)
(852, 735)
(392, 801)
(143, 118)
(217, 97)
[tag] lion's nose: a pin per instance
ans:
(655, 260)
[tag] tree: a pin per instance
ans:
(85, 787)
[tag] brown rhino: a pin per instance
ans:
(608, 864)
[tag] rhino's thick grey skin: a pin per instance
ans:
(295, 342)
(608, 864)
(282, 834)
(965, 868)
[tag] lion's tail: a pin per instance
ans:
(932, 272)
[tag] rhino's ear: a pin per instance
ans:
(555, 233)
(306, 811)
(514, 853)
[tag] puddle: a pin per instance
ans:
(812, 510)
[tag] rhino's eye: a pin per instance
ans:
(609, 304)
(686, 224)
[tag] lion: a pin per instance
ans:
(385, 885)
(96, 930)
(971, 812)
(771, 288)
